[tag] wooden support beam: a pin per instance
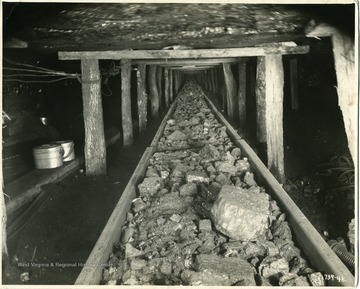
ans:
(242, 94)
(95, 148)
(294, 84)
(180, 62)
(159, 74)
(216, 80)
(153, 93)
(230, 91)
(167, 89)
(126, 116)
(171, 85)
(206, 80)
(260, 100)
(345, 50)
(274, 79)
(176, 82)
(181, 54)
(142, 100)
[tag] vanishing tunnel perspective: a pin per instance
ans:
(179, 144)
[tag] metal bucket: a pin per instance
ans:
(48, 156)
(68, 147)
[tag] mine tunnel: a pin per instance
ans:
(179, 144)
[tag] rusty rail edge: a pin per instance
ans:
(311, 242)
(91, 274)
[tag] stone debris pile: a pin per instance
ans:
(200, 218)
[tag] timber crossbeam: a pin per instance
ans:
(182, 54)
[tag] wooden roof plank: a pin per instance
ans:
(171, 62)
(182, 54)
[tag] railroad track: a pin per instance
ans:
(201, 209)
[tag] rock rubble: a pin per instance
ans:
(200, 218)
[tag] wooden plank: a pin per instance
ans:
(274, 79)
(176, 82)
(171, 85)
(230, 86)
(95, 149)
(99, 256)
(216, 81)
(260, 100)
(181, 62)
(294, 84)
(242, 94)
(27, 187)
(181, 54)
(166, 90)
(142, 100)
(126, 116)
(153, 93)
(311, 242)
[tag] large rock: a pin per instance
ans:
(177, 135)
(226, 167)
(188, 189)
(239, 214)
(224, 271)
(209, 152)
(273, 267)
(150, 186)
(197, 177)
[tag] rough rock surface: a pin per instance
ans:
(239, 214)
(150, 186)
(227, 271)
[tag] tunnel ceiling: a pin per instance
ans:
(119, 26)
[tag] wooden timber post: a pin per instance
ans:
(294, 84)
(230, 91)
(153, 91)
(176, 82)
(171, 85)
(166, 89)
(242, 94)
(141, 96)
(159, 73)
(216, 81)
(221, 89)
(126, 117)
(346, 67)
(274, 78)
(206, 80)
(210, 80)
(270, 96)
(260, 100)
(213, 80)
(95, 148)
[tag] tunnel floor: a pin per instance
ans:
(55, 243)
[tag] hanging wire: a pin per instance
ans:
(38, 81)
(41, 72)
